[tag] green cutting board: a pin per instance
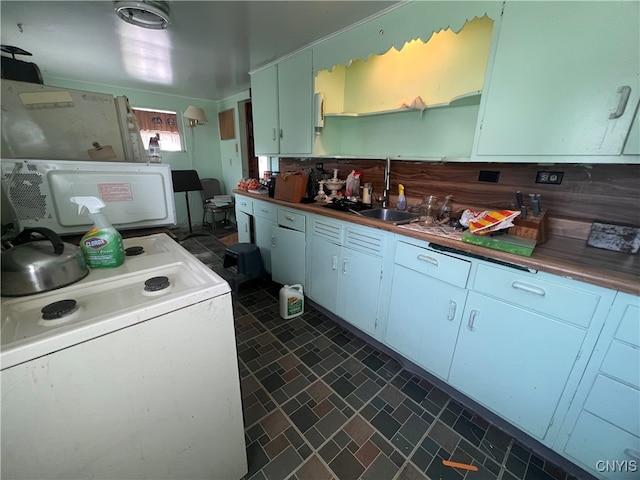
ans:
(506, 243)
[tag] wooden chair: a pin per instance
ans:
(210, 190)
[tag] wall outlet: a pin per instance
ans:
(553, 178)
(319, 166)
(488, 176)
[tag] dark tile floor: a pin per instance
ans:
(320, 403)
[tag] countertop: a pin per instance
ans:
(563, 256)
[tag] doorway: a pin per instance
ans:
(252, 161)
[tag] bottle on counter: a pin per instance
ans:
(155, 155)
(445, 209)
(367, 190)
(402, 201)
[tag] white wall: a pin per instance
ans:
(233, 151)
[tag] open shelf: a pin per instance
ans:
(471, 98)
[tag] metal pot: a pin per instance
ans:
(35, 265)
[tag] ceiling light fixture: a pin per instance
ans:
(145, 14)
(195, 115)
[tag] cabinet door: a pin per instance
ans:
(513, 361)
(324, 261)
(287, 256)
(424, 319)
(558, 76)
(604, 419)
(295, 94)
(262, 238)
(359, 289)
(264, 104)
(632, 146)
(243, 221)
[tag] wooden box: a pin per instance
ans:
(291, 187)
(534, 228)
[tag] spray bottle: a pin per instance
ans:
(401, 204)
(102, 245)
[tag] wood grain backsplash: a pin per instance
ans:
(608, 193)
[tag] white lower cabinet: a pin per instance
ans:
(346, 271)
(359, 289)
(524, 343)
(244, 213)
(288, 248)
(324, 264)
(428, 295)
(243, 224)
(601, 432)
(514, 361)
(265, 217)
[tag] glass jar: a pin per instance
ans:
(429, 210)
(445, 209)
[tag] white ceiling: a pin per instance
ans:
(206, 52)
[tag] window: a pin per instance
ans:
(269, 164)
(159, 122)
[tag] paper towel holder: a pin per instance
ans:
(318, 113)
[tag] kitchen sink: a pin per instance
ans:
(389, 215)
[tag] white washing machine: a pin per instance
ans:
(133, 374)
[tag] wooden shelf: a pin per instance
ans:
(471, 98)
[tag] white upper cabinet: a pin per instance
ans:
(264, 104)
(282, 102)
(295, 103)
(564, 83)
(632, 145)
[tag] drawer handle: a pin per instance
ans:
(273, 241)
(428, 259)
(290, 218)
(273, 135)
(632, 453)
(244, 204)
(264, 210)
(334, 262)
(452, 310)
(529, 288)
(472, 319)
(624, 92)
(345, 262)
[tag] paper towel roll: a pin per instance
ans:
(318, 112)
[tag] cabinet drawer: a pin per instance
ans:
(616, 403)
(443, 267)
(553, 299)
(594, 442)
(244, 204)
(622, 362)
(268, 211)
(291, 219)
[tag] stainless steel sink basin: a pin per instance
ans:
(389, 215)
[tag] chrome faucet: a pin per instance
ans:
(384, 199)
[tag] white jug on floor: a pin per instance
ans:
(291, 301)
